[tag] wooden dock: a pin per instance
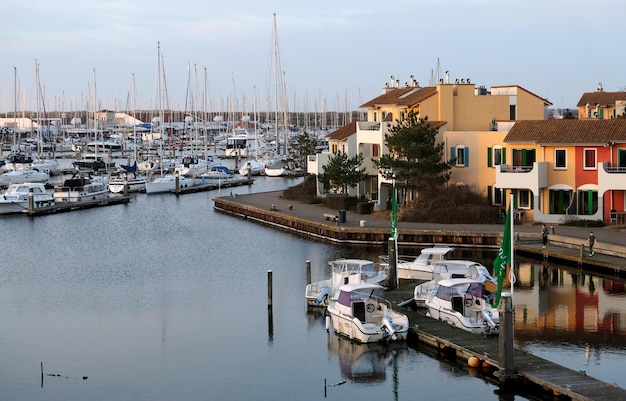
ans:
(63, 207)
(209, 187)
(533, 374)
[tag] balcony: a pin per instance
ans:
(611, 177)
(532, 177)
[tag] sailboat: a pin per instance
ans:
(165, 182)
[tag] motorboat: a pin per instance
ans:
(276, 169)
(191, 166)
(463, 303)
(451, 269)
(22, 176)
(362, 314)
(94, 162)
(168, 183)
(105, 145)
(215, 174)
(420, 267)
(81, 188)
(17, 197)
(132, 184)
(343, 271)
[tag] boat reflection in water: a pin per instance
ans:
(367, 362)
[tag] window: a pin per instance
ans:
(497, 156)
(498, 196)
(589, 159)
(587, 202)
(461, 154)
(334, 148)
(560, 159)
(621, 158)
(559, 201)
(523, 199)
(523, 157)
(375, 150)
(375, 116)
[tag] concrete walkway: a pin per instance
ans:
(609, 238)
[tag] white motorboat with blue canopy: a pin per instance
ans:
(451, 269)
(343, 271)
(464, 303)
(362, 314)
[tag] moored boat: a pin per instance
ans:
(420, 267)
(343, 271)
(463, 303)
(132, 184)
(362, 314)
(22, 176)
(451, 269)
(168, 183)
(16, 198)
(81, 188)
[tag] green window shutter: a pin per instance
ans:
(489, 157)
(490, 194)
(503, 155)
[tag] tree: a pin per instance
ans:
(342, 172)
(414, 155)
(303, 146)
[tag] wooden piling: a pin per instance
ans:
(308, 272)
(393, 272)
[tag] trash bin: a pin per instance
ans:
(342, 215)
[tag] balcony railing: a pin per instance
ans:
(505, 168)
(613, 169)
(368, 126)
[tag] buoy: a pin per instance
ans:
(473, 362)
(486, 364)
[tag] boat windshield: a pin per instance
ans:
(446, 293)
(354, 267)
(348, 297)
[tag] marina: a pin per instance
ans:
(140, 309)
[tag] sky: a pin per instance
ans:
(334, 55)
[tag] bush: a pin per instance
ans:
(305, 192)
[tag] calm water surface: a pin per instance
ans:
(165, 299)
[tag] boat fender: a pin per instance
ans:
(488, 318)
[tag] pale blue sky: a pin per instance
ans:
(332, 53)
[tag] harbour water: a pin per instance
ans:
(163, 299)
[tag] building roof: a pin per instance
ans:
(407, 97)
(563, 132)
(343, 132)
(601, 98)
(546, 101)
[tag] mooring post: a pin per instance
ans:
(308, 272)
(31, 200)
(177, 183)
(392, 257)
(270, 314)
(269, 288)
(505, 337)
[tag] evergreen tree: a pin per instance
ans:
(414, 156)
(303, 146)
(342, 172)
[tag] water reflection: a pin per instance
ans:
(366, 363)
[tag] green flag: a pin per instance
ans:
(504, 256)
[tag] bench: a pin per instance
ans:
(330, 216)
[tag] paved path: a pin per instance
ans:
(265, 200)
